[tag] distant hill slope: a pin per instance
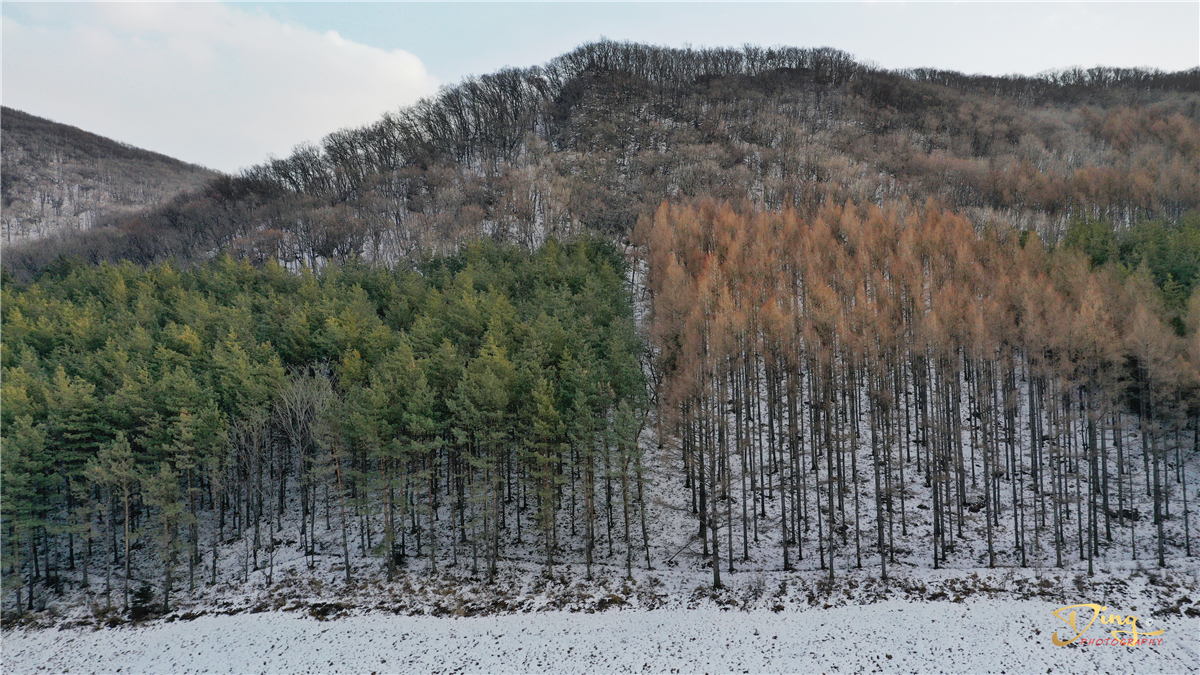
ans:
(58, 178)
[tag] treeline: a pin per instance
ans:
(598, 137)
(450, 413)
(829, 370)
(1062, 86)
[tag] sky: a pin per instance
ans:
(227, 85)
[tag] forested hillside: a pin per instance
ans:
(600, 136)
(59, 180)
(494, 391)
(709, 310)
(827, 362)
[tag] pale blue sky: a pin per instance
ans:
(459, 38)
(226, 84)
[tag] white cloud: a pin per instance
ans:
(204, 82)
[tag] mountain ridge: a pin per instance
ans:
(597, 138)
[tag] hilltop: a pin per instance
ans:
(599, 137)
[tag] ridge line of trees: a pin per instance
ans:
(598, 137)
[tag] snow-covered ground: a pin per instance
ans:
(983, 635)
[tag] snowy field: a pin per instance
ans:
(1001, 636)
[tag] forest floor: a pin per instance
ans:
(297, 613)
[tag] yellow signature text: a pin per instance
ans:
(1129, 621)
